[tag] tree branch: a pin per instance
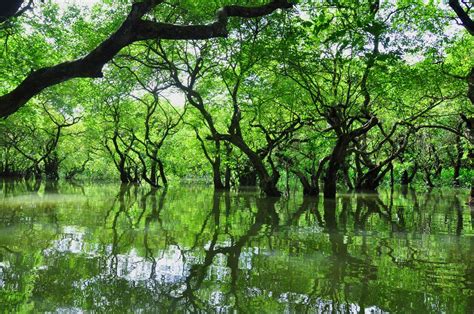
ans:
(466, 20)
(133, 29)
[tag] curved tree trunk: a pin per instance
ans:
(335, 162)
(308, 188)
(51, 168)
(428, 180)
(267, 182)
(311, 186)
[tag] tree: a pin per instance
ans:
(468, 24)
(134, 28)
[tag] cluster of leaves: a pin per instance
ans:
(279, 94)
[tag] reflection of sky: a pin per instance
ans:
(171, 267)
(3, 266)
(167, 265)
(71, 241)
(77, 2)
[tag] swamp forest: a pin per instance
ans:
(237, 156)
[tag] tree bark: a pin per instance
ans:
(338, 156)
(466, 21)
(9, 8)
(247, 176)
(216, 176)
(335, 162)
(164, 180)
(267, 182)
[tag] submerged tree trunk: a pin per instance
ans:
(311, 184)
(309, 189)
(339, 153)
(124, 177)
(335, 162)
(428, 180)
(216, 175)
(162, 173)
(371, 180)
(51, 167)
(247, 175)
(267, 182)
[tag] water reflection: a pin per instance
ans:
(101, 247)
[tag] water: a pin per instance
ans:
(104, 248)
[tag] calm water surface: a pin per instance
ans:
(104, 248)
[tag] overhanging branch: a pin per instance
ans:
(133, 29)
(466, 20)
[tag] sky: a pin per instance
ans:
(81, 2)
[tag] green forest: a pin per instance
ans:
(236, 156)
(319, 96)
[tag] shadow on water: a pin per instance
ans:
(90, 247)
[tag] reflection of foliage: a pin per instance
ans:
(183, 248)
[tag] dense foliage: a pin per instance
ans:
(342, 94)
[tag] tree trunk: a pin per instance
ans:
(248, 176)
(268, 186)
(392, 178)
(162, 173)
(308, 188)
(404, 178)
(227, 173)
(347, 178)
(216, 173)
(335, 162)
(153, 168)
(428, 180)
(8, 9)
(371, 180)
(368, 182)
(267, 182)
(124, 176)
(51, 167)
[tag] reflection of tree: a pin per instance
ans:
(265, 215)
(343, 264)
(22, 247)
(234, 251)
(154, 215)
(126, 197)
